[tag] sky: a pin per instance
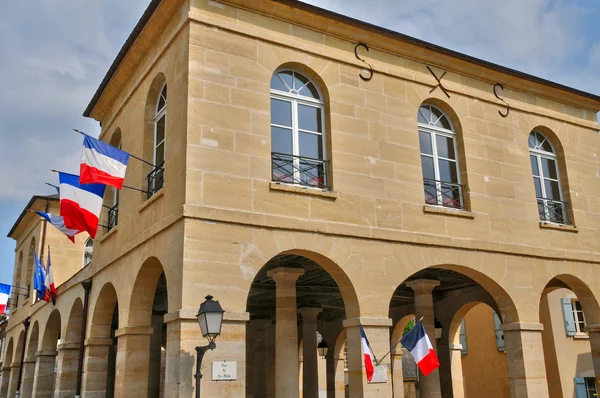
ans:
(54, 54)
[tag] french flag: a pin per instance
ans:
(4, 295)
(417, 342)
(49, 280)
(102, 163)
(367, 354)
(59, 223)
(80, 204)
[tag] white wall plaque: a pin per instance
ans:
(380, 374)
(224, 370)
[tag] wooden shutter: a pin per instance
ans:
(463, 338)
(499, 332)
(568, 317)
(580, 391)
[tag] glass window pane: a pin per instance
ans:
(538, 187)
(424, 115)
(161, 104)
(299, 81)
(160, 155)
(310, 91)
(427, 165)
(287, 79)
(164, 93)
(444, 123)
(311, 145)
(448, 171)
(277, 84)
(425, 143)
(281, 140)
(283, 168)
(309, 118)
(549, 168)
(546, 146)
(532, 140)
(436, 114)
(578, 306)
(281, 112)
(445, 147)
(160, 130)
(431, 192)
(534, 165)
(552, 190)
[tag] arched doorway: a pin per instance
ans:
(6, 364)
(100, 354)
(46, 357)
(570, 314)
(68, 352)
(442, 296)
(295, 297)
(16, 365)
(29, 362)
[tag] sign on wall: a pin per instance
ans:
(379, 375)
(224, 370)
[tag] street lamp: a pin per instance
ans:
(323, 349)
(210, 318)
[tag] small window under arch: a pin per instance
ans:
(298, 149)
(546, 179)
(88, 251)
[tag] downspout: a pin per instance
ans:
(87, 286)
(26, 324)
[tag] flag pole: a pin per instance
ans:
(395, 345)
(133, 156)
(124, 186)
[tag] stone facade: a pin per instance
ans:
(220, 225)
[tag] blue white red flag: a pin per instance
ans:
(59, 223)
(4, 295)
(418, 344)
(49, 280)
(102, 163)
(38, 280)
(367, 354)
(80, 204)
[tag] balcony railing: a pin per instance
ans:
(113, 217)
(299, 170)
(441, 193)
(156, 180)
(552, 210)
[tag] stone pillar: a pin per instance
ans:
(335, 374)
(286, 332)
(66, 370)
(5, 380)
(377, 331)
(310, 376)
(525, 360)
(594, 333)
(260, 357)
(43, 386)
(155, 357)
(95, 367)
(14, 375)
(458, 385)
(133, 361)
(430, 385)
(29, 373)
(271, 359)
(398, 372)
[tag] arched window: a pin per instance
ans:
(297, 131)
(544, 167)
(88, 251)
(156, 178)
(437, 140)
(30, 266)
(112, 194)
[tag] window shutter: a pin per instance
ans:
(568, 316)
(499, 332)
(580, 391)
(463, 338)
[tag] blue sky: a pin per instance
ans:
(53, 55)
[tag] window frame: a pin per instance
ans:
(86, 250)
(433, 131)
(158, 115)
(590, 387)
(295, 100)
(575, 311)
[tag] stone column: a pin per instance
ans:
(271, 361)
(5, 380)
(43, 386)
(95, 367)
(525, 360)
(14, 375)
(66, 370)
(458, 385)
(29, 374)
(398, 373)
(430, 385)
(260, 357)
(286, 332)
(155, 357)
(594, 333)
(133, 361)
(335, 374)
(377, 331)
(310, 376)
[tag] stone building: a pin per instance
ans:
(315, 173)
